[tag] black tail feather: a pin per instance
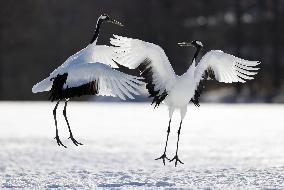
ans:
(59, 93)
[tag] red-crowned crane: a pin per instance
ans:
(177, 91)
(88, 72)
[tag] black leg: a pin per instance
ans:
(57, 137)
(164, 156)
(176, 156)
(71, 135)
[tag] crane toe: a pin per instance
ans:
(74, 141)
(59, 141)
(176, 160)
(163, 157)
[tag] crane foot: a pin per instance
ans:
(176, 160)
(163, 157)
(59, 141)
(74, 140)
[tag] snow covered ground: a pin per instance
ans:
(222, 146)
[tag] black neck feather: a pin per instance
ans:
(196, 54)
(96, 34)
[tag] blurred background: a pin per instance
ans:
(36, 36)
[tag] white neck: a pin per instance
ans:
(191, 69)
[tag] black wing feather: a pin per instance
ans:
(146, 71)
(208, 74)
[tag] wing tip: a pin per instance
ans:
(34, 89)
(42, 86)
(116, 36)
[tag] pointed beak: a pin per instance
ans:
(115, 22)
(185, 44)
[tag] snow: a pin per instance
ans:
(222, 146)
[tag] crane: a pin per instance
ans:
(177, 91)
(88, 72)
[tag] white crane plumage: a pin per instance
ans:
(88, 72)
(177, 91)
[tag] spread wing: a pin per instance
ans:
(224, 68)
(151, 61)
(103, 80)
(90, 54)
(95, 79)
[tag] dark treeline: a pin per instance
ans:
(37, 36)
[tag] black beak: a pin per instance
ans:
(115, 22)
(185, 44)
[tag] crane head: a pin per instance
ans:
(194, 43)
(106, 18)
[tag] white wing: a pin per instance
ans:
(90, 54)
(151, 61)
(109, 82)
(226, 68)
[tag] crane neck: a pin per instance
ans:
(198, 49)
(96, 33)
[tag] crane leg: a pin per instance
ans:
(176, 156)
(71, 135)
(164, 156)
(55, 120)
